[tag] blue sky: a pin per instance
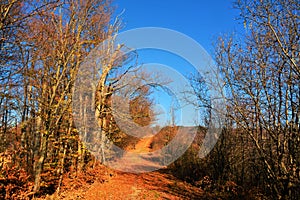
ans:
(201, 20)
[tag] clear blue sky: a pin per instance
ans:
(201, 20)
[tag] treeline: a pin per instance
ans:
(44, 48)
(43, 43)
(259, 147)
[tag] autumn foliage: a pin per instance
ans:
(44, 43)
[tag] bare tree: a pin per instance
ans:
(262, 85)
(58, 39)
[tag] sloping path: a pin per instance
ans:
(140, 159)
(154, 185)
(126, 186)
(143, 145)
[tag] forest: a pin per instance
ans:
(48, 150)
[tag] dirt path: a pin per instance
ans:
(143, 145)
(127, 186)
(138, 160)
(152, 185)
